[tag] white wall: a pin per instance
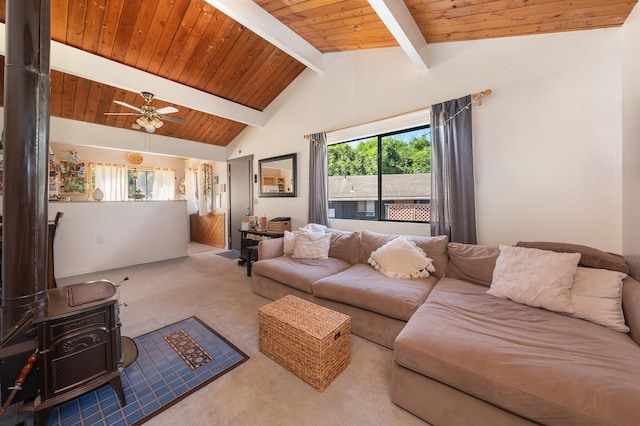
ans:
(631, 140)
(96, 236)
(547, 143)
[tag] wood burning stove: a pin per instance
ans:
(78, 344)
(78, 347)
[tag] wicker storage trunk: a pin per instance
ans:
(311, 341)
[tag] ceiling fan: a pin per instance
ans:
(151, 118)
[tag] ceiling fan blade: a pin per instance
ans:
(120, 113)
(174, 119)
(166, 110)
(124, 104)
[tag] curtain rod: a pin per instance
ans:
(476, 97)
(98, 163)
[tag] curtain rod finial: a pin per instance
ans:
(477, 98)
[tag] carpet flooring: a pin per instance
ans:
(172, 363)
(260, 391)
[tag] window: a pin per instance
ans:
(120, 183)
(140, 184)
(111, 179)
(366, 208)
(384, 177)
(151, 184)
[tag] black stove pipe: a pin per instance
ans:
(26, 154)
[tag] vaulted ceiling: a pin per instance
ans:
(222, 62)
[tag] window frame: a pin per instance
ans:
(379, 202)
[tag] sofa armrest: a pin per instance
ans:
(631, 307)
(274, 247)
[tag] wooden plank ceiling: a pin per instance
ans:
(194, 44)
(339, 25)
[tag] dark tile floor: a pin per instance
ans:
(158, 377)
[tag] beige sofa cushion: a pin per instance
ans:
(589, 256)
(345, 246)
(548, 367)
(298, 273)
(631, 306)
(473, 263)
(434, 247)
(364, 287)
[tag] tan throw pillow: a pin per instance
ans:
(312, 246)
(596, 296)
(473, 263)
(345, 246)
(401, 258)
(533, 277)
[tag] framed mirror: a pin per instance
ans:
(278, 176)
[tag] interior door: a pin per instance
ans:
(240, 196)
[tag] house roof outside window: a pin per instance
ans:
(396, 187)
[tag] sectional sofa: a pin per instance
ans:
(463, 356)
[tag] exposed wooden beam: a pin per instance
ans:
(261, 22)
(96, 68)
(398, 19)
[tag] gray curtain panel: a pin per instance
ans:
(453, 210)
(318, 179)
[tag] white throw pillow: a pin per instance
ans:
(289, 241)
(538, 278)
(312, 245)
(313, 227)
(597, 297)
(401, 258)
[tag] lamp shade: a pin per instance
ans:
(150, 124)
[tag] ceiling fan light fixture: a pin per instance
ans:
(156, 122)
(149, 115)
(150, 124)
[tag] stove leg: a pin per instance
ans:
(116, 384)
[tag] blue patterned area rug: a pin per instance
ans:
(172, 363)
